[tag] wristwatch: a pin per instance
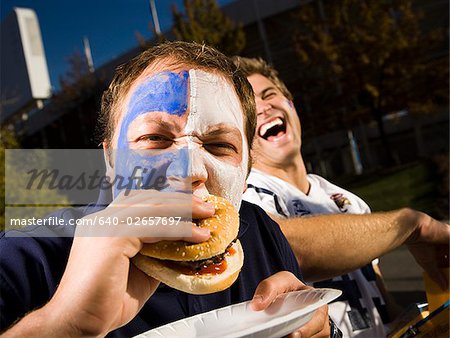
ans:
(335, 332)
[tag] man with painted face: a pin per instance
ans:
(183, 109)
(279, 183)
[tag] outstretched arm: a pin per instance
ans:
(332, 245)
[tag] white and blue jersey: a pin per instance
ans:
(361, 310)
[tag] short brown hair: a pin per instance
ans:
(177, 53)
(258, 66)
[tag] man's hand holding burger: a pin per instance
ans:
(100, 289)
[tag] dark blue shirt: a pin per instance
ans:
(31, 268)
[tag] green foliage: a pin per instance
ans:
(36, 198)
(361, 60)
(7, 141)
(415, 186)
(204, 22)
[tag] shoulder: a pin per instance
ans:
(250, 212)
(267, 192)
(326, 185)
(23, 254)
(255, 175)
(319, 180)
(32, 262)
(263, 180)
(30, 270)
(259, 224)
(337, 192)
(39, 243)
(263, 240)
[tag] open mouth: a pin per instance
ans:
(273, 130)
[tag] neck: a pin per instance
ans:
(293, 172)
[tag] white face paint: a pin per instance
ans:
(214, 105)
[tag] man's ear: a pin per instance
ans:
(108, 157)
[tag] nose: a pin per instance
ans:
(199, 174)
(188, 171)
(178, 171)
(262, 106)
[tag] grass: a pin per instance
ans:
(414, 186)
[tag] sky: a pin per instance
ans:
(110, 26)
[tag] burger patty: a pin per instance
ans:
(197, 265)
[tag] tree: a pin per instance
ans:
(144, 43)
(77, 103)
(204, 22)
(32, 203)
(364, 59)
(7, 141)
(78, 81)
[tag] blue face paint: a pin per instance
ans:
(142, 169)
(163, 92)
(179, 168)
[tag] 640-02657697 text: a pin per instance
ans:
(56, 221)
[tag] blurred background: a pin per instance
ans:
(369, 78)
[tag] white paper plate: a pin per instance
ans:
(289, 312)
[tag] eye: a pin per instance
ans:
(268, 95)
(220, 148)
(153, 137)
(155, 141)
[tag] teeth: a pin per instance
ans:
(267, 126)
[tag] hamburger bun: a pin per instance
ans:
(194, 284)
(198, 268)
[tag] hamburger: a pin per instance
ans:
(198, 268)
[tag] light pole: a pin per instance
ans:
(155, 17)
(262, 32)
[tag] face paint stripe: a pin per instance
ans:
(192, 101)
(163, 92)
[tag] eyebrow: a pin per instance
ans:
(158, 120)
(221, 129)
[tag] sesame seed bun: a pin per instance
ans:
(224, 227)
